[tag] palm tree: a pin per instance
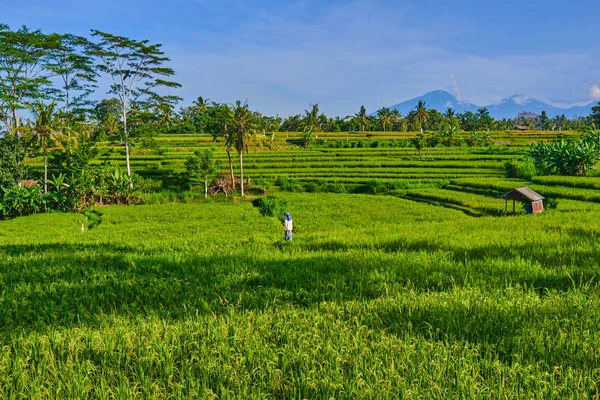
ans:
(201, 104)
(450, 113)
(311, 118)
(396, 117)
(421, 113)
(362, 118)
(483, 115)
(46, 129)
(385, 117)
(242, 130)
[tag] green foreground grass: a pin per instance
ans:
(377, 297)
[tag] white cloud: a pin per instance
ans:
(593, 92)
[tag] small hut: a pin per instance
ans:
(534, 202)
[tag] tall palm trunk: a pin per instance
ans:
(45, 171)
(241, 174)
(231, 168)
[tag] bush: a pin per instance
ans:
(523, 169)
(289, 185)
(22, 200)
(270, 206)
(336, 187)
(376, 187)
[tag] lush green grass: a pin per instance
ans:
(377, 297)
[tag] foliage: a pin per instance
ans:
(202, 164)
(419, 142)
(270, 206)
(567, 157)
(11, 168)
(21, 200)
(307, 136)
(523, 169)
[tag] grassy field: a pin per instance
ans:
(429, 291)
(377, 297)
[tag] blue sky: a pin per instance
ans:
(282, 56)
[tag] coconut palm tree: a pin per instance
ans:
(396, 117)
(421, 113)
(385, 118)
(450, 113)
(46, 129)
(242, 130)
(311, 118)
(483, 115)
(362, 119)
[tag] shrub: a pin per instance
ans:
(21, 200)
(376, 186)
(289, 185)
(336, 187)
(270, 206)
(523, 169)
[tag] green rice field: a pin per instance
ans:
(425, 290)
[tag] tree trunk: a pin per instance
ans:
(205, 187)
(241, 174)
(45, 171)
(15, 118)
(126, 137)
(231, 168)
(127, 161)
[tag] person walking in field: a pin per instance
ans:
(287, 226)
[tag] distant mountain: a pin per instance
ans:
(507, 108)
(511, 106)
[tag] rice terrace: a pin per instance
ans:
(143, 252)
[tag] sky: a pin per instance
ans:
(281, 56)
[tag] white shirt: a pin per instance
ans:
(288, 225)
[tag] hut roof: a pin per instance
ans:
(523, 191)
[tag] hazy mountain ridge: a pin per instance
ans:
(509, 107)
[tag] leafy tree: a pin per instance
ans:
(543, 121)
(136, 70)
(11, 169)
(24, 71)
(242, 130)
(203, 164)
(468, 121)
(292, 124)
(307, 136)
(560, 121)
(311, 118)
(69, 61)
(419, 142)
